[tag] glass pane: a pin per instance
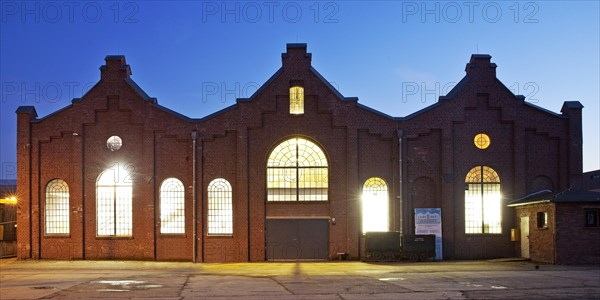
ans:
(375, 205)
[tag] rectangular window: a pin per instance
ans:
(591, 217)
(296, 100)
(542, 219)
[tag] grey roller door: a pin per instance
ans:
(297, 239)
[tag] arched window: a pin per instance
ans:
(113, 203)
(57, 208)
(297, 171)
(375, 205)
(220, 208)
(296, 100)
(483, 201)
(172, 206)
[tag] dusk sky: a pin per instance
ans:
(396, 57)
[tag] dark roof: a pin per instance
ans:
(573, 104)
(566, 196)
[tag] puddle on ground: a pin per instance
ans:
(125, 285)
(392, 279)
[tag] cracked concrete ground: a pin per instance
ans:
(304, 280)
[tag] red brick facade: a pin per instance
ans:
(423, 158)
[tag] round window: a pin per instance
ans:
(114, 143)
(482, 141)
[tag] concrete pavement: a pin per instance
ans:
(304, 280)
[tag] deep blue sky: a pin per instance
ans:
(179, 51)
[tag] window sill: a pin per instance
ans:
(217, 236)
(57, 236)
(114, 237)
(173, 235)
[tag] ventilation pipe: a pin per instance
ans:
(400, 178)
(194, 198)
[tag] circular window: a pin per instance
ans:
(482, 141)
(114, 143)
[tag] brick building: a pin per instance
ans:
(560, 228)
(297, 171)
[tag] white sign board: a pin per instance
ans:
(429, 221)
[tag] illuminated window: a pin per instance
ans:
(113, 203)
(482, 141)
(220, 209)
(114, 143)
(375, 205)
(172, 206)
(57, 207)
(542, 219)
(297, 171)
(483, 201)
(296, 100)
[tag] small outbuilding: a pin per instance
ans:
(559, 228)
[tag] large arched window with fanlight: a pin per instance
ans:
(483, 201)
(113, 203)
(375, 203)
(297, 171)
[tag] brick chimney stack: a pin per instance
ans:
(480, 65)
(115, 68)
(296, 57)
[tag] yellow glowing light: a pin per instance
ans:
(482, 141)
(375, 205)
(296, 100)
(9, 200)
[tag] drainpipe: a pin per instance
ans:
(400, 183)
(194, 199)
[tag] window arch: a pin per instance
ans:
(220, 207)
(57, 208)
(296, 100)
(483, 201)
(113, 203)
(172, 206)
(297, 171)
(375, 205)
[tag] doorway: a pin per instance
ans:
(525, 237)
(297, 239)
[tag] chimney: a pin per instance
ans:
(572, 110)
(115, 68)
(481, 65)
(296, 57)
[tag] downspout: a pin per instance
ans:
(83, 177)
(194, 199)
(400, 178)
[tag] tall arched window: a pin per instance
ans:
(113, 203)
(57, 208)
(296, 100)
(483, 201)
(220, 207)
(297, 171)
(172, 206)
(375, 203)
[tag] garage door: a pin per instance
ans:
(297, 239)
